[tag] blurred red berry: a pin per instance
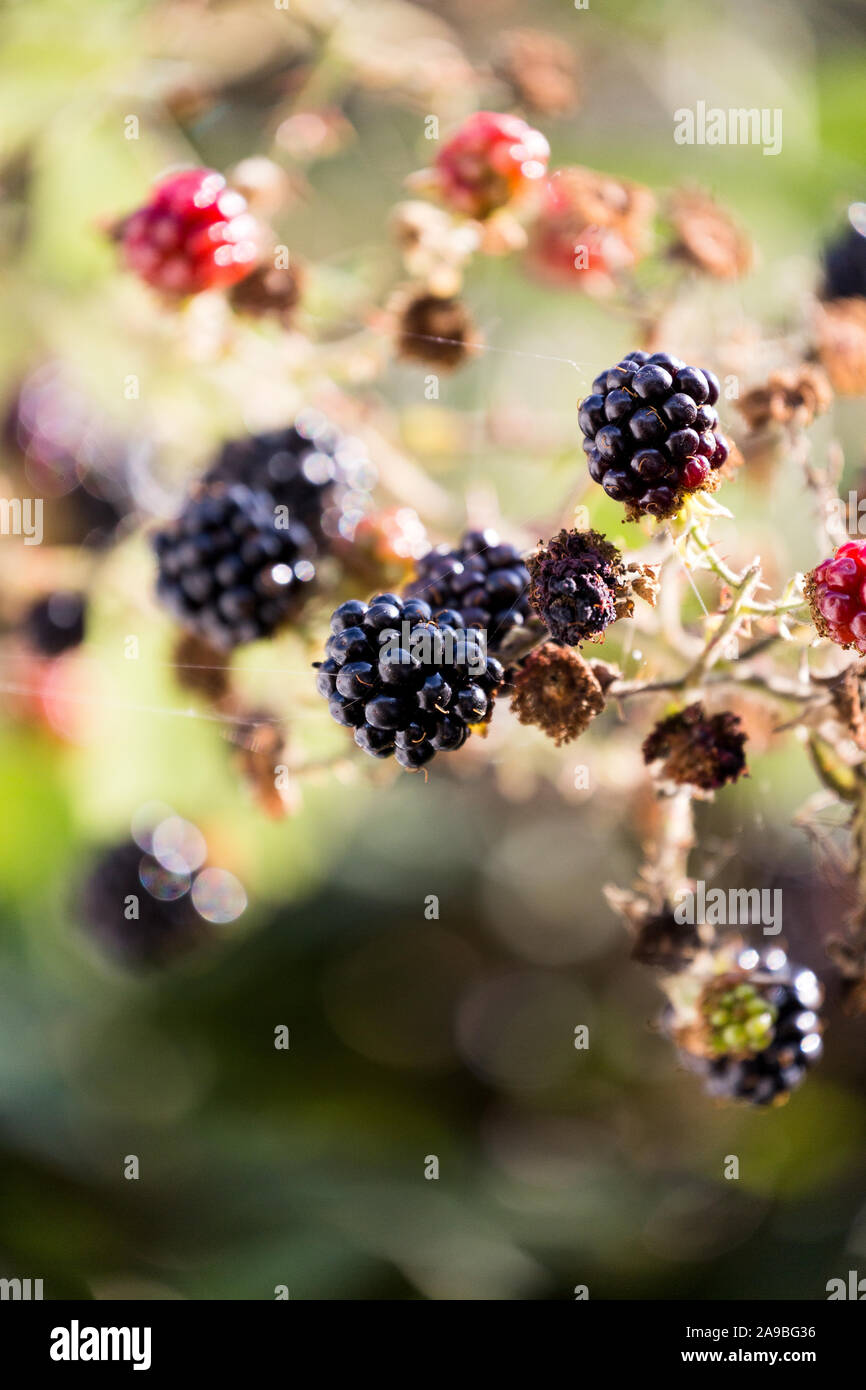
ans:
(836, 591)
(589, 226)
(492, 159)
(193, 234)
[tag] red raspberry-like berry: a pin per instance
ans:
(193, 234)
(492, 159)
(588, 228)
(836, 591)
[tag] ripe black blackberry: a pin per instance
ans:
(320, 475)
(484, 579)
(407, 684)
(227, 571)
(158, 926)
(55, 624)
(651, 432)
(760, 1029)
(845, 266)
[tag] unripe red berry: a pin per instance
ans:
(836, 590)
(492, 159)
(192, 234)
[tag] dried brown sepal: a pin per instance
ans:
(270, 292)
(541, 68)
(435, 330)
(555, 690)
(201, 668)
(259, 755)
(792, 397)
(840, 332)
(707, 237)
(697, 749)
(662, 941)
(846, 697)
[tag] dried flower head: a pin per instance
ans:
(259, 742)
(541, 68)
(270, 292)
(201, 668)
(555, 689)
(697, 749)
(580, 585)
(434, 246)
(846, 697)
(707, 237)
(841, 344)
(438, 332)
(793, 397)
(590, 225)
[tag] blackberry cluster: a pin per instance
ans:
(227, 571)
(835, 591)
(408, 684)
(781, 1011)
(651, 432)
(322, 476)
(483, 579)
(167, 924)
(577, 579)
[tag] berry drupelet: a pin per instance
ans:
(320, 475)
(756, 1028)
(483, 578)
(406, 683)
(192, 234)
(493, 159)
(836, 591)
(227, 571)
(651, 432)
(577, 580)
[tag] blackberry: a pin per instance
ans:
(161, 924)
(193, 234)
(406, 683)
(835, 592)
(651, 432)
(845, 263)
(320, 475)
(577, 580)
(761, 1029)
(55, 624)
(227, 571)
(483, 579)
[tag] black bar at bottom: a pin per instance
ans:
(83, 1339)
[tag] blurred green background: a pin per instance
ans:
(409, 1037)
